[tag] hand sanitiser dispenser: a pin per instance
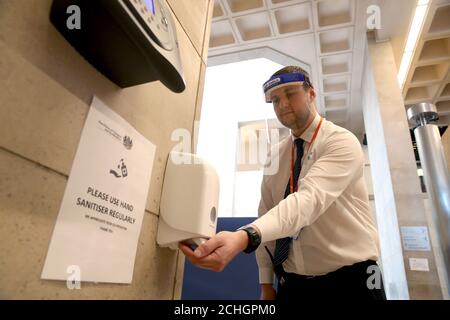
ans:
(129, 41)
(188, 209)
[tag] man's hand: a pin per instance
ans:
(267, 292)
(218, 251)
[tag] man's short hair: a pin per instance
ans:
(296, 69)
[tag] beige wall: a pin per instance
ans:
(45, 91)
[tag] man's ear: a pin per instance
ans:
(312, 93)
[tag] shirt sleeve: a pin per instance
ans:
(262, 257)
(340, 162)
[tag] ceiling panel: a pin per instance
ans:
(429, 75)
(328, 37)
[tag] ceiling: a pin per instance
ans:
(428, 79)
(328, 38)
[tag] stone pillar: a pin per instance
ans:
(398, 198)
(446, 145)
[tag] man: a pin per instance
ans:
(315, 225)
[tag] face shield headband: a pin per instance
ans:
(282, 80)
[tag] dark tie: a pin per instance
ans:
(282, 245)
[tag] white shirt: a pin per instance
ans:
(331, 206)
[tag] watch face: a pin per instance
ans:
(256, 236)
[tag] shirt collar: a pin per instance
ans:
(307, 135)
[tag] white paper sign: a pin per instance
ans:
(98, 225)
(415, 238)
(417, 264)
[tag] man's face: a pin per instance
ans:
(293, 105)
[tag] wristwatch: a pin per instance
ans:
(254, 238)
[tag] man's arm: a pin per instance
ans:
(325, 181)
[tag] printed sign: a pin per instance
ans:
(100, 217)
(415, 238)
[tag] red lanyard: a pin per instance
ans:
(291, 181)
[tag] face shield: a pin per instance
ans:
(282, 80)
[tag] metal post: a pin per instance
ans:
(434, 165)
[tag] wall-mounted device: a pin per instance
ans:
(188, 208)
(130, 41)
